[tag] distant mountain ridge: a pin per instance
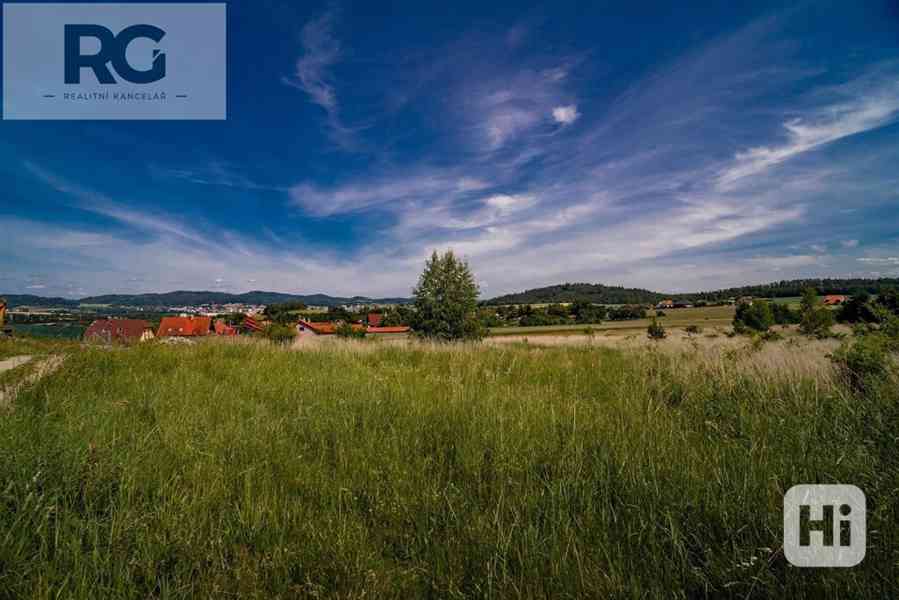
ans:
(566, 292)
(603, 294)
(189, 298)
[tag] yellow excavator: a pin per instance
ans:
(3, 330)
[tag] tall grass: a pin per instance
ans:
(367, 471)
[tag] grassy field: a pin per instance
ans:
(353, 470)
(705, 317)
(61, 330)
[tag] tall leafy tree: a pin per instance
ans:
(446, 300)
(816, 318)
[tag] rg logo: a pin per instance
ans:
(825, 525)
(113, 49)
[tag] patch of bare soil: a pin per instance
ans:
(41, 370)
(12, 363)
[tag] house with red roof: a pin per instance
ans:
(222, 328)
(330, 328)
(192, 326)
(119, 331)
(835, 300)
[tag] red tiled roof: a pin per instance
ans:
(116, 330)
(222, 328)
(327, 327)
(374, 319)
(835, 299)
(184, 326)
(397, 329)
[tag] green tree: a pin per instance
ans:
(755, 316)
(817, 319)
(656, 331)
(446, 300)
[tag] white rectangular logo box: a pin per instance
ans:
(152, 61)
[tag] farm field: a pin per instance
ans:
(407, 470)
(704, 317)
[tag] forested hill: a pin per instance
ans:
(573, 292)
(603, 294)
(188, 298)
(794, 287)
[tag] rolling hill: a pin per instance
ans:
(189, 298)
(603, 294)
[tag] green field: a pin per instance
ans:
(376, 470)
(704, 317)
(60, 330)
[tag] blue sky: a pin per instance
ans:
(691, 147)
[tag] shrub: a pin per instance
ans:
(280, 334)
(347, 331)
(753, 317)
(771, 336)
(656, 331)
(626, 313)
(693, 329)
(864, 363)
(784, 315)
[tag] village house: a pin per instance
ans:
(329, 328)
(120, 331)
(191, 326)
(835, 300)
(665, 304)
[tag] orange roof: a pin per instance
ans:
(374, 319)
(327, 327)
(222, 328)
(184, 326)
(835, 299)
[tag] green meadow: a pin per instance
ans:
(358, 469)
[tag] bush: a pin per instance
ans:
(627, 313)
(280, 334)
(753, 317)
(656, 331)
(693, 329)
(864, 363)
(784, 315)
(347, 331)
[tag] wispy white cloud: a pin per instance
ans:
(313, 75)
(566, 115)
(392, 190)
(821, 127)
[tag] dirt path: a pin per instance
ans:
(43, 368)
(12, 363)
